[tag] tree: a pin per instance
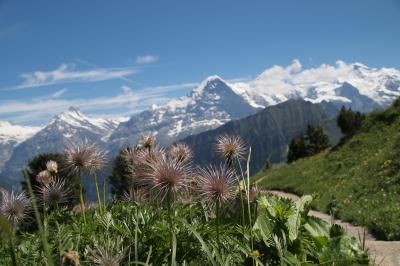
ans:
(349, 121)
(317, 140)
(297, 149)
(121, 176)
(312, 142)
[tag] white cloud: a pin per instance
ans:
(59, 93)
(146, 59)
(67, 73)
(127, 101)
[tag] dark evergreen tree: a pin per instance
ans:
(317, 140)
(297, 149)
(120, 178)
(349, 121)
(313, 141)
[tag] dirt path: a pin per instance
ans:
(385, 253)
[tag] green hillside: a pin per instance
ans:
(268, 132)
(360, 177)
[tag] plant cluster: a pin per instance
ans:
(359, 180)
(172, 213)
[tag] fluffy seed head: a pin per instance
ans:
(88, 206)
(110, 253)
(54, 193)
(84, 156)
(44, 177)
(180, 152)
(165, 177)
(147, 141)
(52, 167)
(70, 257)
(14, 206)
(216, 184)
(129, 154)
(135, 195)
(230, 147)
(253, 193)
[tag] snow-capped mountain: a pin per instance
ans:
(356, 85)
(213, 103)
(63, 129)
(10, 136)
(210, 105)
(10, 132)
(73, 122)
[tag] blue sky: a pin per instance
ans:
(119, 57)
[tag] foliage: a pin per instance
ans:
(284, 235)
(312, 142)
(349, 121)
(360, 177)
(177, 215)
(288, 236)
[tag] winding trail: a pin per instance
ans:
(384, 253)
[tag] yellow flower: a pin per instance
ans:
(255, 254)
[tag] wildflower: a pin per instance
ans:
(135, 195)
(147, 141)
(111, 254)
(54, 193)
(44, 177)
(217, 185)
(180, 152)
(140, 167)
(14, 206)
(84, 156)
(230, 147)
(165, 177)
(70, 257)
(253, 193)
(129, 154)
(52, 167)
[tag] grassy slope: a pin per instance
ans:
(361, 176)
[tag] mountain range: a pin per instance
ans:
(212, 104)
(268, 132)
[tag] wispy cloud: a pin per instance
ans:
(59, 93)
(146, 59)
(127, 102)
(67, 73)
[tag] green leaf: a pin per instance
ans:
(294, 220)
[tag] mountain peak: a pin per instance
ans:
(73, 109)
(209, 84)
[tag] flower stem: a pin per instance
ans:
(46, 246)
(217, 225)
(81, 201)
(104, 194)
(97, 190)
(12, 248)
